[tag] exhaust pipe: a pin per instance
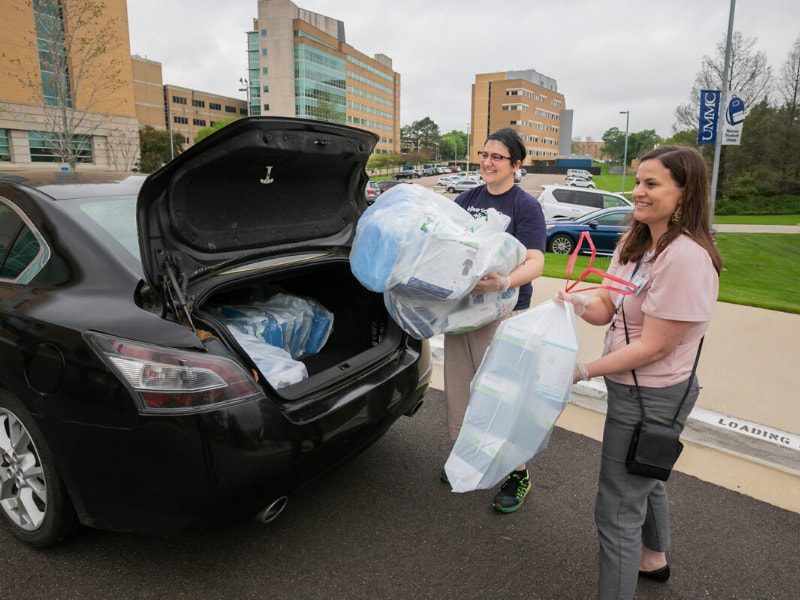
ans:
(413, 410)
(271, 512)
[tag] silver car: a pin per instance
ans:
(461, 185)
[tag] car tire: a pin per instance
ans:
(451, 190)
(561, 243)
(34, 502)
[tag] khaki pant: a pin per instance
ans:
(463, 353)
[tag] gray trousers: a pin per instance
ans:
(632, 510)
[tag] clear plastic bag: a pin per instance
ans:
(517, 394)
(426, 254)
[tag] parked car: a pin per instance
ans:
(406, 174)
(372, 191)
(130, 399)
(576, 181)
(579, 173)
(604, 227)
(559, 201)
(443, 181)
(388, 184)
(461, 185)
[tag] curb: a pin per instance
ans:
(761, 444)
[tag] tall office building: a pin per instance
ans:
(42, 70)
(300, 65)
(528, 102)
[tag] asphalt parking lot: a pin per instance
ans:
(384, 527)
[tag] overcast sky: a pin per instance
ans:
(606, 55)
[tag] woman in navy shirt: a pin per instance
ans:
(501, 156)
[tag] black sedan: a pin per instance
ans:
(604, 226)
(179, 353)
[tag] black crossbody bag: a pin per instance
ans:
(654, 448)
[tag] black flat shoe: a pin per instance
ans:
(659, 575)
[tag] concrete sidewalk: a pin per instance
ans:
(744, 433)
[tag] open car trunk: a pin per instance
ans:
(362, 334)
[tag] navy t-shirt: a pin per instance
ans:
(527, 221)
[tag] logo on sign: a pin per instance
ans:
(709, 116)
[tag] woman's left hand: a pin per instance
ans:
(492, 282)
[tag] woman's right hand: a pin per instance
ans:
(578, 301)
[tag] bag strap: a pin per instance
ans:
(633, 372)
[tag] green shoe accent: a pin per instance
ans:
(443, 476)
(512, 492)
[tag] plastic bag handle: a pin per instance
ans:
(627, 289)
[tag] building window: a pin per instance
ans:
(180, 120)
(243, 111)
(53, 63)
(178, 100)
(266, 107)
(5, 148)
(199, 122)
(230, 109)
(44, 147)
(263, 52)
(214, 106)
(263, 33)
(198, 103)
(266, 89)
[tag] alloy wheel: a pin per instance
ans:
(23, 489)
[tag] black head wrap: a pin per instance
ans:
(511, 140)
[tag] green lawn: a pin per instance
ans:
(760, 269)
(757, 219)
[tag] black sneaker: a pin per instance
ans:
(513, 491)
(443, 476)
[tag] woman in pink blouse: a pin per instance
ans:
(677, 268)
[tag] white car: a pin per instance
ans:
(579, 182)
(579, 173)
(443, 181)
(560, 201)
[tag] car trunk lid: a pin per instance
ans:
(256, 187)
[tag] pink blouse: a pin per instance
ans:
(681, 285)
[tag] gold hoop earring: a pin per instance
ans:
(676, 216)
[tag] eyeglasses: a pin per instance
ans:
(495, 157)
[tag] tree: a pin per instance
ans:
(154, 148)
(77, 73)
(749, 76)
(421, 135)
(641, 142)
(453, 145)
(207, 131)
(789, 118)
(614, 144)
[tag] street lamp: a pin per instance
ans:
(627, 114)
(245, 88)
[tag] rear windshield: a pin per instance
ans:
(112, 220)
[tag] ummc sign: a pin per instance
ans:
(709, 116)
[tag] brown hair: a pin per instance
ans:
(688, 170)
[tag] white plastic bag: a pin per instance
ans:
(517, 394)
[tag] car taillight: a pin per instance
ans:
(166, 379)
